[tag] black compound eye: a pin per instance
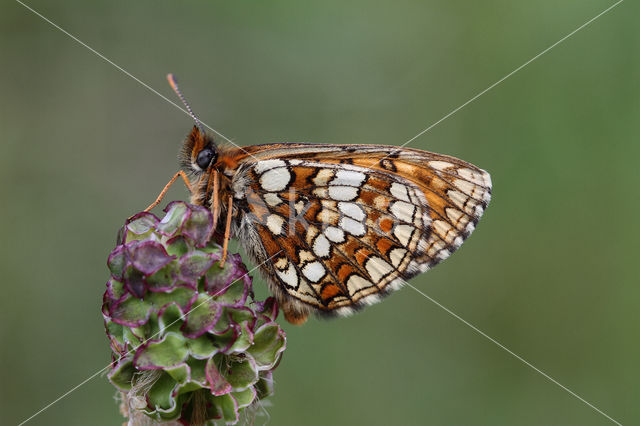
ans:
(204, 158)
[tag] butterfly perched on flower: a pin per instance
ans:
(333, 227)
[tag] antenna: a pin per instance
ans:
(174, 85)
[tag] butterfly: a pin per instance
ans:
(333, 228)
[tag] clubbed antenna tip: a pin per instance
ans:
(173, 82)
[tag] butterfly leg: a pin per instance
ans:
(227, 232)
(184, 177)
(216, 201)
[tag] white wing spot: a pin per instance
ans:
(457, 197)
(265, 165)
(465, 186)
(343, 193)
(272, 199)
(348, 177)
(416, 199)
(334, 234)
(314, 271)
(356, 282)
(351, 210)
(399, 191)
(289, 277)
(443, 228)
(440, 165)
(403, 233)
(377, 268)
(473, 176)
(453, 214)
(462, 201)
(396, 256)
(275, 179)
(321, 246)
(351, 226)
(403, 211)
(274, 223)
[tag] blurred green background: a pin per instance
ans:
(551, 272)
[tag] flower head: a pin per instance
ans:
(189, 341)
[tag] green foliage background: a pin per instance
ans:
(551, 272)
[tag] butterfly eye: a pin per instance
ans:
(204, 158)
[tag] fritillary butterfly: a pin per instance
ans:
(334, 227)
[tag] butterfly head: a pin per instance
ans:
(199, 152)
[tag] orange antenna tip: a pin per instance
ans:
(173, 82)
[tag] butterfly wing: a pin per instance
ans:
(342, 226)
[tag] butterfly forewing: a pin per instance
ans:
(344, 225)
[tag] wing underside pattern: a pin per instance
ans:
(345, 228)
